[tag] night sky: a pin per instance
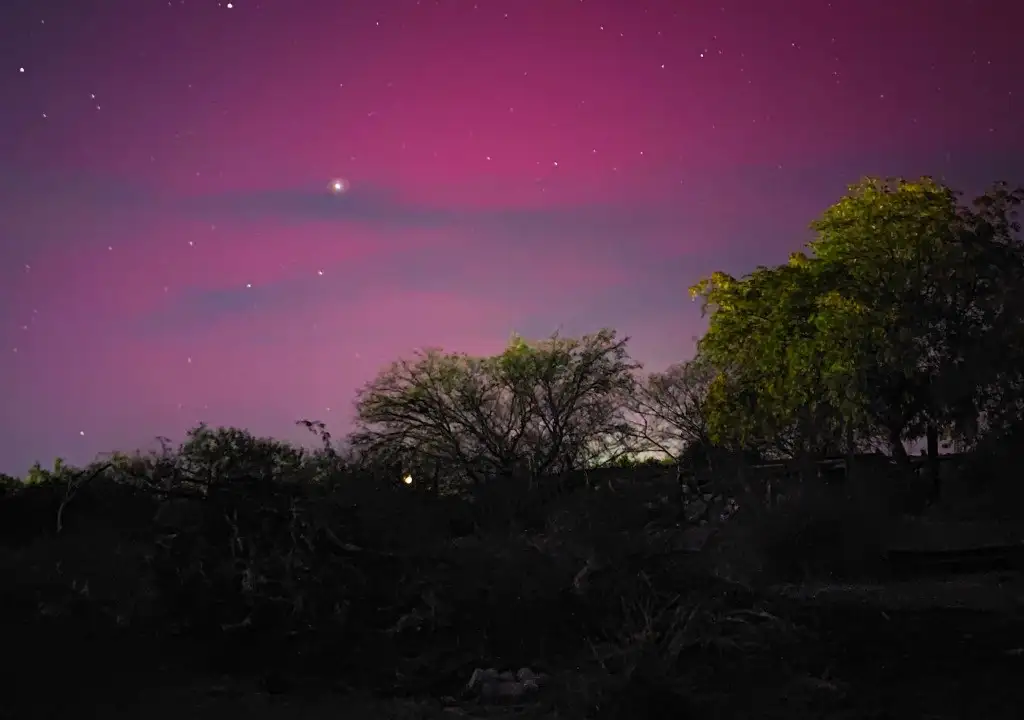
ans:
(172, 250)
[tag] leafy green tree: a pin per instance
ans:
(38, 475)
(770, 386)
(888, 325)
(889, 249)
(925, 284)
(537, 408)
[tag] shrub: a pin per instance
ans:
(814, 532)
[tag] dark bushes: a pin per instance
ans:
(810, 533)
(315, 568)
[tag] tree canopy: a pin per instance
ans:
(539, 407)
(887, 323)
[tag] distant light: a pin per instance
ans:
(407, 479)
(339, 186)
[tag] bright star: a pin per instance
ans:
(339, 186)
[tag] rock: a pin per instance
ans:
(494, 686)
(481, 677)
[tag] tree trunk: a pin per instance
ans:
(933, 461)
(899, 452)
(805, 460)
(681, 485)
(851, 451)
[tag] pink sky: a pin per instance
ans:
(169, 250)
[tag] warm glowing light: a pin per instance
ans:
(407, 479)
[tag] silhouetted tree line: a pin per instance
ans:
(902, 321)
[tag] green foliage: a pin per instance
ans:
(892, 253)
(766, 348)
(38, 475)
(889, 325)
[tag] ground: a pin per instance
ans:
(859, 655)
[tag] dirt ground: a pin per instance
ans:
(856, 660)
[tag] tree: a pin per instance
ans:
(931, 281)
(992, 364)
(538, 407)
(216, 458)
(670, 408)
(889, 323)
(890, 249)
(769, 387)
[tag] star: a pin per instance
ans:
(339, 186)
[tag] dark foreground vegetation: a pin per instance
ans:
(490, 541)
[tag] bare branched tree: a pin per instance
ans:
(537, 408)
(669, 408)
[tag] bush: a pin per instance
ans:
(811, 533)
(296, 561)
